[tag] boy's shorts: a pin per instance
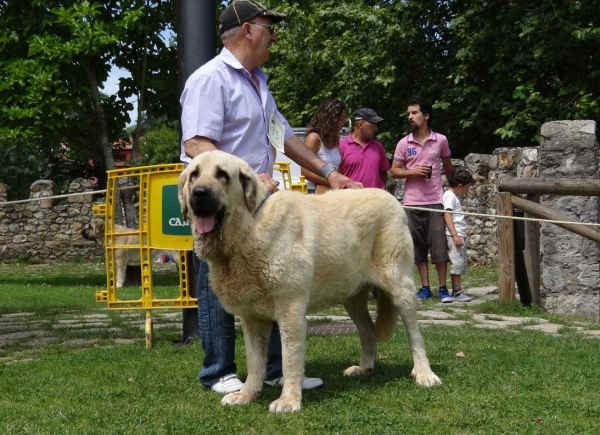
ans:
(458, 256)
(428, 230)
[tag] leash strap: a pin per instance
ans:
(269, 193)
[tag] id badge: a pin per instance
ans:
(276, 133)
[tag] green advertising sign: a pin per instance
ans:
(173, 224)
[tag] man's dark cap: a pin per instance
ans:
(366, 114)
(242, 11)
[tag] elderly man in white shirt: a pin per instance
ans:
(226, 105)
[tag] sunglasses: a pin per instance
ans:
(270, 26)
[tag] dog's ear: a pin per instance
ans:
(182, 192)
(99, 227)
(248, 182)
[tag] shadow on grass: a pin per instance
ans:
(57, 280)
(386, 375)
(95, 280)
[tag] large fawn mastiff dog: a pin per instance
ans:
(281, 256)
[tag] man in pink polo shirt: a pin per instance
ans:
(363, 158)
(419, 158)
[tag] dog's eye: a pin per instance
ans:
(193, 176)
(222, 175)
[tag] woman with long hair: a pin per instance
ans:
(322, 136)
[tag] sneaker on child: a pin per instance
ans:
(462, 297)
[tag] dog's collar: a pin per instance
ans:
(269, 193)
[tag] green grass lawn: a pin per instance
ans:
(509, 382)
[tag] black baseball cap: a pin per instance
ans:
(366, 114)
(242, 11)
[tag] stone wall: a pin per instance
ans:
(570, 272)
(47, 229)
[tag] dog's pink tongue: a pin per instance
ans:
(205, 224)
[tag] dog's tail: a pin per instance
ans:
(387, 317)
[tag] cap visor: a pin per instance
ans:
(275, 17)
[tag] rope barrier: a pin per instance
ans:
(493, 216)
(67, 195)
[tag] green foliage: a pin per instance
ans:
(160, 146)
(369, 53)
(44, 63)
(54, 57)
(495, 71)
(24, 161)
(521, 64)
(21, 165)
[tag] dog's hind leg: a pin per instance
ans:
(402, 288)
(121, 265)
(256, 338)
(359, 313)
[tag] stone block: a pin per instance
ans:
(478, 164)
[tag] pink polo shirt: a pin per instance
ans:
(418, 190)
(363, 164)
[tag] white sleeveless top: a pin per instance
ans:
(329, 156)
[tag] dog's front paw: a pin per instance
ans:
(357, 371)
(426, 379)
(237, 398)
(285, 404)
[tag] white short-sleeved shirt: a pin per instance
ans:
(220, 102)
(451, 202)
(328, 155)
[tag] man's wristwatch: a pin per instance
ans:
(326, 170)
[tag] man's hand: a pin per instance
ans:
(339, 181)
(422, 171)
(269, 182)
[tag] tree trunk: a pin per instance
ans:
(135, 149)
(105, 144)
(123, 201)
(129, 196)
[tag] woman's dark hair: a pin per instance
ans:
(460, 176)
(325, 120)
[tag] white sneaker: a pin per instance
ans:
(307, 383)
(227, 384)
(462, 297)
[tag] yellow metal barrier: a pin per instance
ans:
(99, 210)
(160, 227)
(286, 175)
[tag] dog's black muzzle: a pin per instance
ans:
(204, 202)
(88, 234)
